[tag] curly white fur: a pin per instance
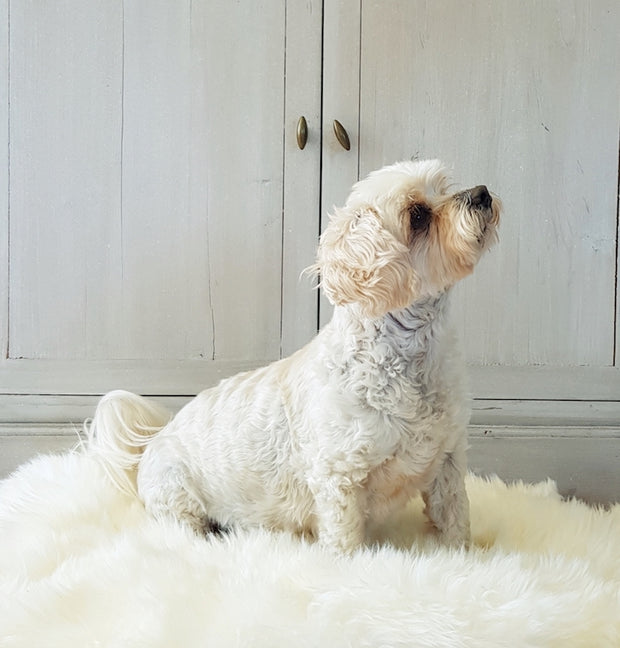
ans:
(350, 426)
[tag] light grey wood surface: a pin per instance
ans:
(74, 409)
(25, 444)
(146, 215)
(583, 466)
(120, 232)
(523, 96)
(64, 129)
(4, 166)
(156, 212)
(340, 82)
(341, 73)
(165, 289)
(302, 172)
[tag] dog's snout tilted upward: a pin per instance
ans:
(480, 197)
(370, 412)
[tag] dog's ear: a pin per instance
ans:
(359, 261)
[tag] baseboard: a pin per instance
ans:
(582, 460)
(19, 443)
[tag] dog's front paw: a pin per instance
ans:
(455, 537)
(341, 523)
(340, 544)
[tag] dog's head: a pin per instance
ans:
(402, 236)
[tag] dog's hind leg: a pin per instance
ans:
(447, 506)
(167, 491)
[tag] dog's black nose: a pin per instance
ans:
(480, 197)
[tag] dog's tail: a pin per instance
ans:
(121, 428)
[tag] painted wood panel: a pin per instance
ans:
(582, 467)
(25, 444)
(584, 464)
(238, 56)
(65, 125)
(147, 196)
(545, 415)
(545, 383)
(341, 75)
(617, 346)
(302, 172)
(163, 304)
(4, 170)
(180, 223)
(524, 97)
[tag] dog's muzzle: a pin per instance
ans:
(478, 200)
(483, 215)
(479, 197)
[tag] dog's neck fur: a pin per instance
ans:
(414, 327)
(402, 345)
(407, 330)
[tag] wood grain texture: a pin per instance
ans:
(546, 383)
(617, 347)
(172, 377)
(160, 212)
(65, 118)
(302, 172)
(202, 167)
(244, 71)
(341, 74)
(571, 414)
(164, 299)
(582, 467)
(22, 444)
(22, 411)
(4, 175)
(147, 168)
(524, 97)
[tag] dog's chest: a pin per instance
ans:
(390, 485)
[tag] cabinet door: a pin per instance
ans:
(145, 234)
(522, 96)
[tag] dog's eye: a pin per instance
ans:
(419, 216)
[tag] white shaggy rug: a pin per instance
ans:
(81, 565)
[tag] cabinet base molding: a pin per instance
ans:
(582, 460)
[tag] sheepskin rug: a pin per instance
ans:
(81, 565)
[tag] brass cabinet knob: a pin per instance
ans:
(302, 132)
(342, 135)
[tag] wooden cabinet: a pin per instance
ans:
(523, 97)
(157, 211)
(147, 223)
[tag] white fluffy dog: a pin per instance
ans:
(350, 426)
